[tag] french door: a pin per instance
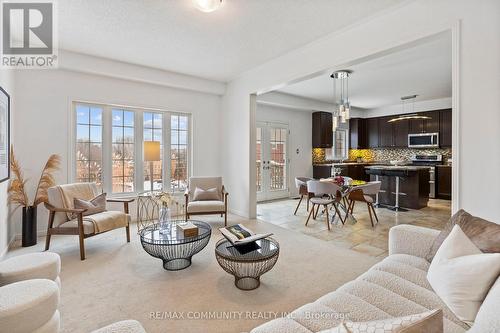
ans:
(272, 161)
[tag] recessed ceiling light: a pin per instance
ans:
(207, 6)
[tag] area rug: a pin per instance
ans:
(118, 281)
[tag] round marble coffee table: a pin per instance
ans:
(247, 266)
(171, 246)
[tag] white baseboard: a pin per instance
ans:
(240, 214)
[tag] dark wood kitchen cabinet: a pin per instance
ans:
(372, 132)
(322, 171)
(425, 125)
(386, 136)
(322, 134)
(443, 182)
(358, 172)
(400, 131)
(445, 126)
(357, 131)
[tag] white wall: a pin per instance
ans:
(43, 106)
(479, 60)
(300, 125)
(6, 233)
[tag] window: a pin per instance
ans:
(178, 151)
(88, 144)
(153, 131)
(108, 147)
(123, 138)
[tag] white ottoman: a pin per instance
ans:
(44, 265)
(29, 306)
(125, 326)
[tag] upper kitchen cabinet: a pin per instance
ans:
(393, 134)
(357, 129)
(372, 133)
(322, 134)
(386, 137)
(445, 126)
(400, 130)
(425, 125)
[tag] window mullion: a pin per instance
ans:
(166, 152)
(138, 156)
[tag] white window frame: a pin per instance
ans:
(138, 146)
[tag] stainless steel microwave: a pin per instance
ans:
(423, 140)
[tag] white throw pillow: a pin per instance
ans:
(461, 275)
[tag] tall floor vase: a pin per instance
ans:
(29, 226)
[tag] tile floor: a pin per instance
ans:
(358, 236)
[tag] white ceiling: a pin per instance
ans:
(173, 35)
(424, 70)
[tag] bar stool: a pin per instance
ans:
(398, 174)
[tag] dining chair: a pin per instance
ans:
(364, 193)
(324, 194)
(301, 184)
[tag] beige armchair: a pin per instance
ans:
(64, 219)
(216, 205)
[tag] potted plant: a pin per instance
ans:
(19, 197)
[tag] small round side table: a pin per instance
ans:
(247, 267)
(171, 246)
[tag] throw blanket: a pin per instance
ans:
(107, 220)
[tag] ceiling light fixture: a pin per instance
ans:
(342, 109)
(412, 115)
(207, 6)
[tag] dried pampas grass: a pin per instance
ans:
(17, 188)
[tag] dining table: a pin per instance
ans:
(347, 185)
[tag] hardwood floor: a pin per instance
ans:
(358, 236)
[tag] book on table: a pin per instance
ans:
(238, 234)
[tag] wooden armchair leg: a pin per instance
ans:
(47, 240)
(82, 248)
(127, 230)
(49, 226)
(81, 237)
(311, 212)
(225, 219)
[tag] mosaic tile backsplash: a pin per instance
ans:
(382, 154)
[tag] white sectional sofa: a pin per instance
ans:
(397, 286)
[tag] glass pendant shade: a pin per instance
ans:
(335, 123)
(341, 99)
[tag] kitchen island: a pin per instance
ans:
(413, 185)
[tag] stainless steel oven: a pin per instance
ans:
(423, 140)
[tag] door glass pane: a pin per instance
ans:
(258, 157)
(278, 156)
(179, 137)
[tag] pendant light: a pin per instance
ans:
(342, 108)
(412, 114)
(207, 6)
